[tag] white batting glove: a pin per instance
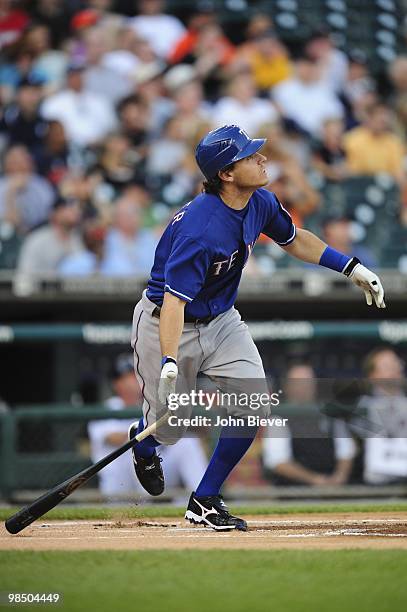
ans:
(367, 280)
(168, 379)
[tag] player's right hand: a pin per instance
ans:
(370, 284)
(168, 378)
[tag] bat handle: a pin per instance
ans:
(151, 429)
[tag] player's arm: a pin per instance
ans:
(185, 273)
(308, 247)
(171, 324)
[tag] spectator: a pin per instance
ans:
(106, 435)
(318, 103)
(49, 62)
(212, 57)
(258, 24)
(328, 156)
(384, 429)
(170, 165)
(398, 75)
(89, 260)
(373, 148)
(95, 200)
(151, 20)
(311, 450)
(332, 63)
(111, 22)
(242, 107)
(168, 153)
(267, 58)
(134, 116)
(358, 79)
(45, 248)
(203, 13)
(337, 232)
(122, 58)
(87, 118)
(25, 197)
(21, 122)
(129, 248)
(186, 92)
(53, 156)
(287, 179)
(119, 166)
(81, 22)
(99, 79)
(13, 72)
(55, 15)
(13, 22)
(150, 89)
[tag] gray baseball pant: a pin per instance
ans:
(223, 350)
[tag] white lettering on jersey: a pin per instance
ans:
(181, 213)
(218, 266)
(249, 251)
(178, 217)
(229, 263)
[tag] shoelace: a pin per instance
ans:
(153, 463)
(220, 505)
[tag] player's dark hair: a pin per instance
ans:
(214, 185)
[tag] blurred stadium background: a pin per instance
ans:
(102, 104)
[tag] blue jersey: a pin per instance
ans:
(203, 250)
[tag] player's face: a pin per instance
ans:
(251, 172)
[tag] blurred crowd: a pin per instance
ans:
(101, 113)
(360, 437)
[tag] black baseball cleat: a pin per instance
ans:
(148, 471)
(212, 511)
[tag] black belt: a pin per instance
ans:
(157, 311)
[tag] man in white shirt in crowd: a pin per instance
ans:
(242, 107)
(87, 117)
(44, 249)
(100, 79)
(312, 450)
(384, 428)
(129, 248)
(118, 479)
(305, 99)
(162, 31)
(332, 62)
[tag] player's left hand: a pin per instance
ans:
(168, 379)
(370, 283)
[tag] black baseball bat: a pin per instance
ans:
(27, 515)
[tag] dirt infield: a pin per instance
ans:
(298, 531)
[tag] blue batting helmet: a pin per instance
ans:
(224, 146)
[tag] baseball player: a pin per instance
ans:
(186, 322)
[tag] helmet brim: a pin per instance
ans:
(252, 147)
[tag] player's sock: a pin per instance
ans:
(146, 447)
(227, 454)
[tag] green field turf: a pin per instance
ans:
(163, 510)
(212, 581)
